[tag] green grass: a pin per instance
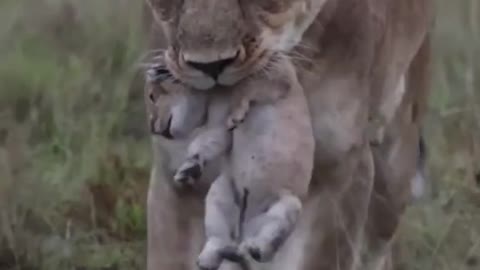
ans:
(75, 157)
(444, 232)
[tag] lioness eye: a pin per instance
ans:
(273, 6)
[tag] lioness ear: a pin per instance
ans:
(165, 9)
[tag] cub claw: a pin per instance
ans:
(231, 253)
(233, 122)
(260, 252)
(255, 253)
(188, 173)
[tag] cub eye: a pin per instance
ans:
(162, 72)
(157, 74)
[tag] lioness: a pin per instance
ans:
(354, 59)
(256, 200)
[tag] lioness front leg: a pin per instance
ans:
(221, 215)
(171, 233)
(276, 225)
(207, 146)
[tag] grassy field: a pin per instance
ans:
(74, 151)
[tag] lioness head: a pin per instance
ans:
(174, 112)
(219, 42)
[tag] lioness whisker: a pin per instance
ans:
(298, 56)
(268, 68)
(306, 47)
(155, 51)
(151, 55)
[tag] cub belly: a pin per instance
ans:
(273, 150)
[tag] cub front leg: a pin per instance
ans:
(276, 225)
(238, 113)
(221, 215)
(259, 90)
(208, 145)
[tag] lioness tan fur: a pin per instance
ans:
(267, 139)
(351, 59)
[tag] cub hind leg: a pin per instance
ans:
(221, 218)
(273, 229)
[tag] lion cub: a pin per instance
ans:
(262, 129)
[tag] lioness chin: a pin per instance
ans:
(357, 61)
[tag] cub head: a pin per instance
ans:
(219, 42)
(173, 111)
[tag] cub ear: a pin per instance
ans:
(164, 9)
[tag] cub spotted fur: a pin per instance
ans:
(262, 128)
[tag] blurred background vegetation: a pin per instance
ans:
(75, 156)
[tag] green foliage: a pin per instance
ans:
(74, 154)
(444, 232)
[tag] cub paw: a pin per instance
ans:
(234, 121)
(259, 250)
(232, 254)
(207, 264)
(238, 115)
(188, 173)
(212, 255)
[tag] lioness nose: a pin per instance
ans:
(212, 69)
